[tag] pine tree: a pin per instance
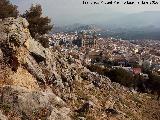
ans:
(38, 25)
(7, 9)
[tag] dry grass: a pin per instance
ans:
(126, 104)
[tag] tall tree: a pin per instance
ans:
(37, 23)
(7, 9)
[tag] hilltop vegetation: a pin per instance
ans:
(7, 9)
(38, 25)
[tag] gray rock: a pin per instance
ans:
(2, 117)
(31, 102)
(35, 47)
(33, 67)
(1, 55)
(25, 23)
(81, 118)
(58, 115)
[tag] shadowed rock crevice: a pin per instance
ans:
(38, 58)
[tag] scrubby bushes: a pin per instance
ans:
(44, 40)
(154, 83)
(121, 76)
(116, 75)
(130, 80)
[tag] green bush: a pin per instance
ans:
(121, 76)
(154, 83)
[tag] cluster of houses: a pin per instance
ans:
(116, 53)
(81, 39)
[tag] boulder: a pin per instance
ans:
(30, 104)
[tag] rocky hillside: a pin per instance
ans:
(38, 83)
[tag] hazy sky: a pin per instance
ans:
(68, 11)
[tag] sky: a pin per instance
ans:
(73, 11)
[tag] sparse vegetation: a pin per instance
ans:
(116, 75)
(6, 107)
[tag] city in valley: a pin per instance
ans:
(110, 52)
(132, 63)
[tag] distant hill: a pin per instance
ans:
(77, 27)
(137, 20)
(143, 25)
(121, 20)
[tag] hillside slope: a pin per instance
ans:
(41, 83)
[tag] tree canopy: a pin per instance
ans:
(7, 9)
(37, 23)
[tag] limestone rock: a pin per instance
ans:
(24, 79)
(2, 117)
(30, 103)
(59, 115)
(1, 55)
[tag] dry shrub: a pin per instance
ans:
(4, 75)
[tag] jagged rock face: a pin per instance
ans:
(28, 64)
(25, 64)
(21, 50)
(20, 47)
(15, 34)
(1, 55)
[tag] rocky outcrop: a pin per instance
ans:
(33, 105)
(26, 65)
(21, 50)
(19, 46)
